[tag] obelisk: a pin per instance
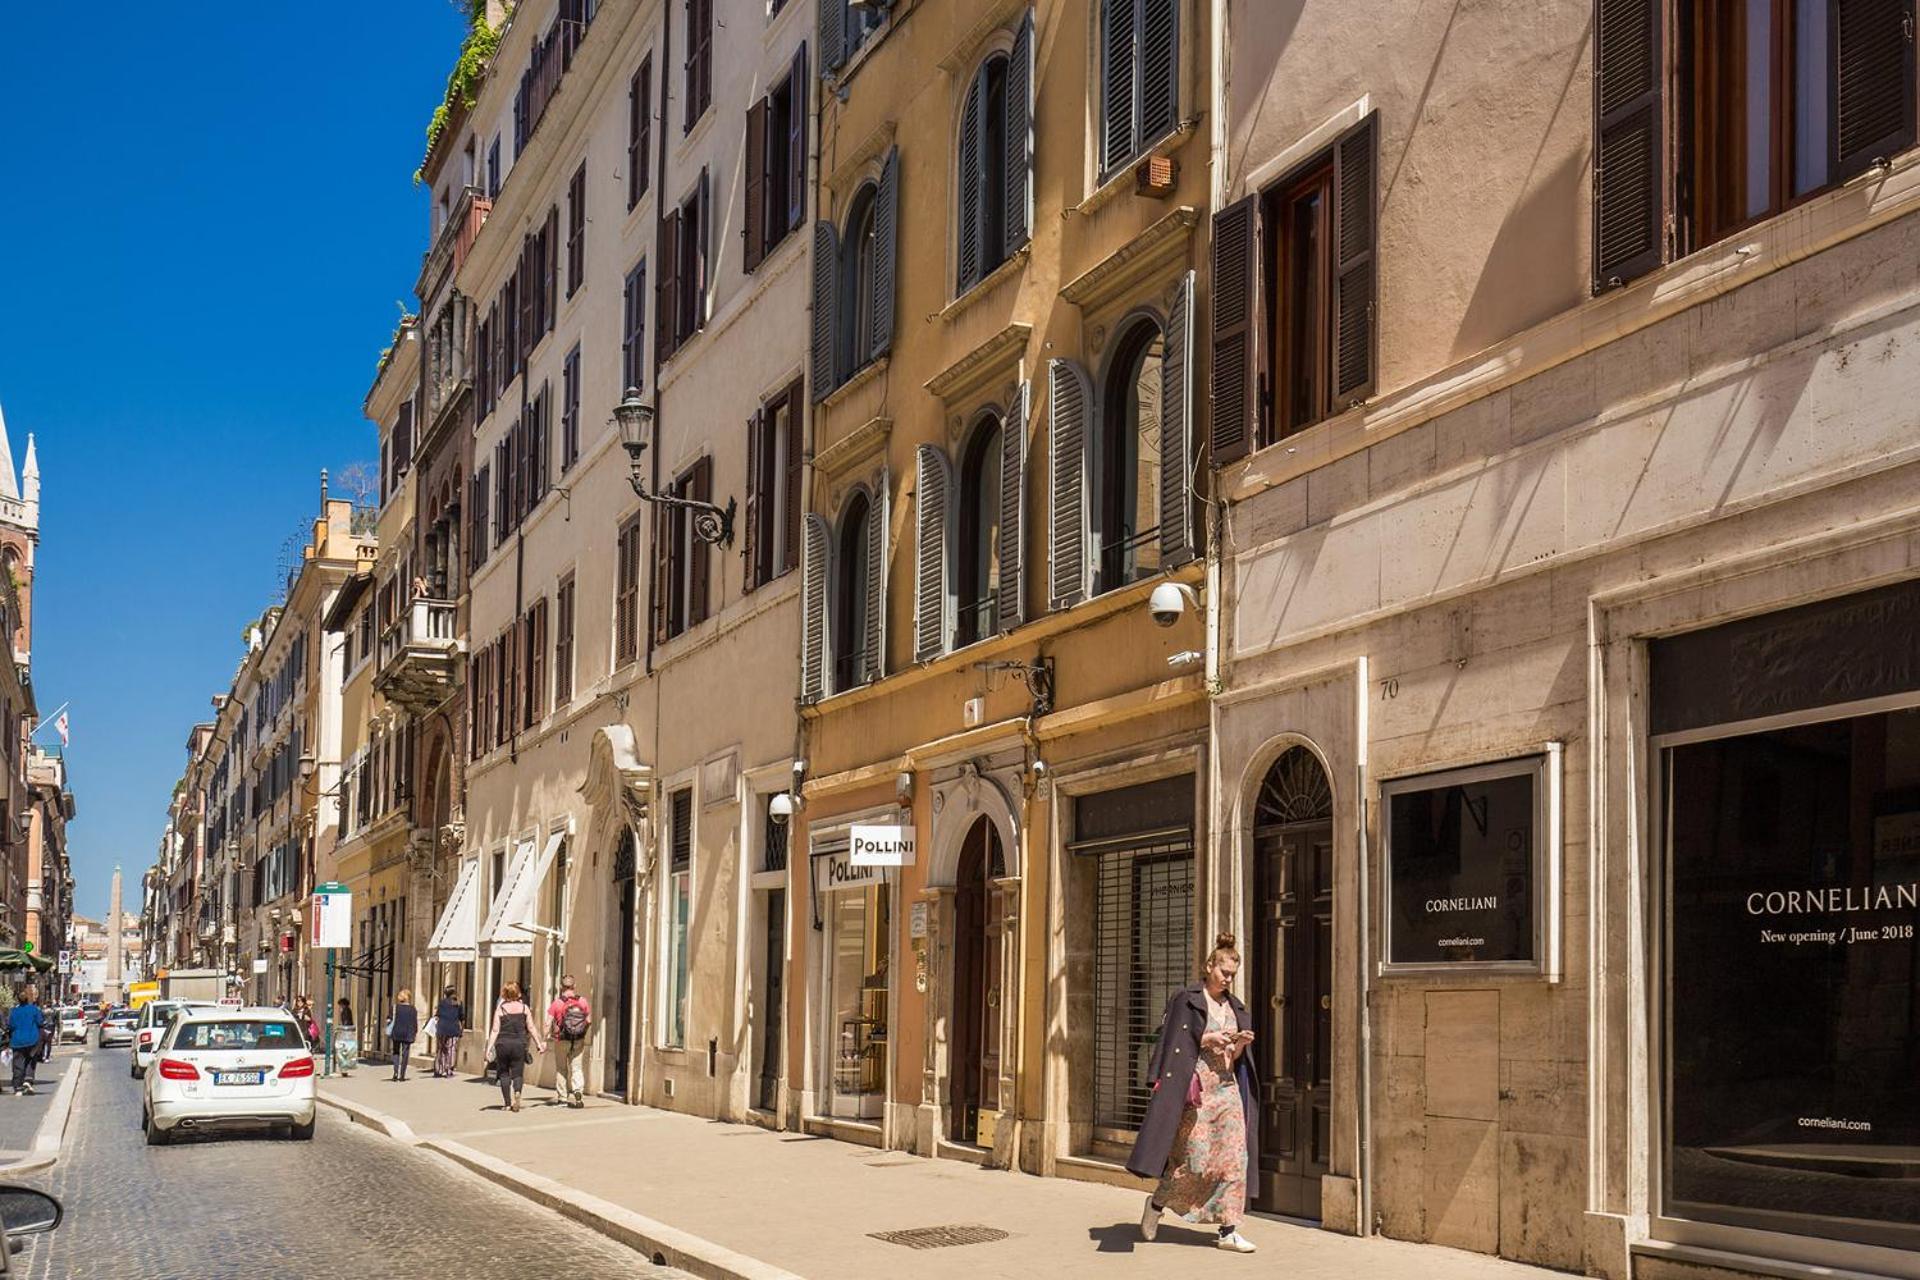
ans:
(113, 941)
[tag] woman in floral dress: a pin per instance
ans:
(1198, 1139)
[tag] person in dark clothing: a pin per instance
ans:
(23, 1027)
(512, 1040)
(449, 1020)
(403, 1030)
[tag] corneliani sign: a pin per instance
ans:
(1473, 868)
(1833, 900)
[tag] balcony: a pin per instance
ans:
(419, 655)
(454, 241)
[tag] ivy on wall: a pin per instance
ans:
(469, 71)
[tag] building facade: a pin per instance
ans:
(1564, 586)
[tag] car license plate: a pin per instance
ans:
(238, 1077)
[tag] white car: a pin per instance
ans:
(118, 1027)
(154, 1017)
(73, 1025)
(222, 1067)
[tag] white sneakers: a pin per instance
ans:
(1149, 1221)
(1234, 1242)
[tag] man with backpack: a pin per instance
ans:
(568, 1019)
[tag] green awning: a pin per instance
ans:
(15, 958)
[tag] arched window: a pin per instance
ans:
(853, 282)
(994, 162)
(857, 254)
(850, 601)
(1128, 510)
(978, 550)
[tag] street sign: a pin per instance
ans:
(332, 922)
(259, 965)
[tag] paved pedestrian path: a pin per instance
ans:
(801, 1205)
(21, 1114)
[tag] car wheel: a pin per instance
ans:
(301, 1132)
(156, 1136)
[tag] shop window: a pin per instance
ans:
(858, 929)
(679, 908)
(1791, 968)
(1766, 102)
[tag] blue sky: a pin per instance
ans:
(208, 223)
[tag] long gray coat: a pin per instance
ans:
(1172, 1067)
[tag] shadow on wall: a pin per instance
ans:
(1257, 44)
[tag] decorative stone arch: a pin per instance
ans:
(957, 803)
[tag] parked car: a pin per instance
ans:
(118, 1027)
(73, 1025)
(152, 1025)
(220, 1068)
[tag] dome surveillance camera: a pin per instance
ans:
(1168, 602)
(782, 807)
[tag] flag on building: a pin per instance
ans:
(60, 726)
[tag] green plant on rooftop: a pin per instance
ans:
(469, 72)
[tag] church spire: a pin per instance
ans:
(30, 475)
(7, 487)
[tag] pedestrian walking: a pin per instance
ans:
(1199, 1139)
(346, 1041)
(568, 1019)
(449, 1020)
(508, 1039)
(402, 1028)
(24, 1025)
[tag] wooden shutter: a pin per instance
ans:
(1010, 595)
(1176, 431)
(551, 243)
(637, 107)
(753, 227)
(1870, 77)
(530, 292)
(826, 261)
(1119, 58)
(1354, 196)
(797, 141)
(1069, 407)
(664, 588)
(1628, 192)
(813, 607)
(750, 542)
(1019, 118)
(886, 236)
(703, 256)
(626, 603)
(698, 550)
(1236, 307)
(666, 294)
(1159, 69)
(932, 514)
(796, 444)
(969, 179)
(875, 641)
(833, 34)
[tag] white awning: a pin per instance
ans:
(457, 934)
(505, 935)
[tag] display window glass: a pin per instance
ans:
(858, 925)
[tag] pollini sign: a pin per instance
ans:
(882, 846)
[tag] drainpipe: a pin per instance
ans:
(1363, 1114)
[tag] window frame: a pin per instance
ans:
(847, 604)
(626, 591)
(1134, 338)
(633, 331)
(639, 131)
(978, 556)
(563, 640)
(577, 230)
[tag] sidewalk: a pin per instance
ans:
(31, 1125)
(803, 1206)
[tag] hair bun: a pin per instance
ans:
(1225, 942)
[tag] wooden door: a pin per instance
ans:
(1293, 990)
(773, 1002)
(624, 890)
(969, 986)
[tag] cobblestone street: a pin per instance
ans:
(254, 1207)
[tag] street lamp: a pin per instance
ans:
(634, 417)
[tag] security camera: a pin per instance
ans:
(782, 807)
(1169, 601)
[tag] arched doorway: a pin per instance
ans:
(625, 891)
(1293, 981)
(974, 1048)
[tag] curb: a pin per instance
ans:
(378, 1121)
(53, 1127)
(665, 1245)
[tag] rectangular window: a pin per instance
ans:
(570, 409)
(1139, 77)
(639, 130)
(679, 906)
(533, 662)
(776, 163)
(626, 598)
(681, 559)
(773, 488)
(563, 643)
(633, 328)
(1299, 220)
(699, 65)
(495, 174)
(689, 313)
(859, 929)
(577, 230)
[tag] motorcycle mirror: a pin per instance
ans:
(26, 1212)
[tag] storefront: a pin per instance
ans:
(1787, 750)
(853, 909)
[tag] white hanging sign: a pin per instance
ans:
(882, 846)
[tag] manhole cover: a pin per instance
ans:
(940, 1237)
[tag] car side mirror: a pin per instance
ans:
(26, 1212)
